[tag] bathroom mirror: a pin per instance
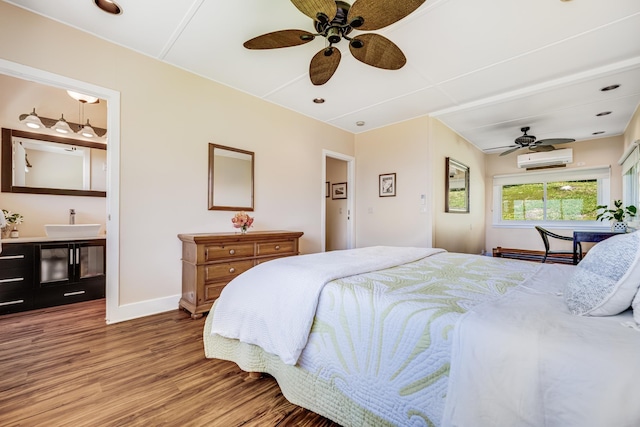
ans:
(46, 164)
(230, 179)
(456, 187)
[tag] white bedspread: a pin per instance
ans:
(524, 360)
(289, 289)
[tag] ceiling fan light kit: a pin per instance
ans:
(335, 20)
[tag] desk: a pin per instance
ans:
(588, 236)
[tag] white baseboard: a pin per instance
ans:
(126, 312)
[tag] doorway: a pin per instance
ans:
(338, 195)
(113, 155)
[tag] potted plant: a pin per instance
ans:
(13, 219)
(617, 216)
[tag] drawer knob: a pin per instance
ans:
(232, 252)
(277, 247)
(232, 270)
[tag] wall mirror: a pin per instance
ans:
(46, 164)
(456, 187)
(230, 178)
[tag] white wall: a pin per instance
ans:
(457, 232)
(401, 220)
(163, 155)
(416, 150)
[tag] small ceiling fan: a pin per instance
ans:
(335, 20)
(530, 142)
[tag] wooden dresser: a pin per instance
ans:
(210, 261)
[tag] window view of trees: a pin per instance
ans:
(565, 201)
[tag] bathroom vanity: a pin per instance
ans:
(45, 272)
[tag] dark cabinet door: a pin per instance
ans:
(16, 278)
(70, 272)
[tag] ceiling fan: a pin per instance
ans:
(530, 142)
(335, 20)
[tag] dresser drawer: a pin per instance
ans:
(223, 251)
(13, 276)
(225, 270)
(276, 248)
(16, 256)
(212, 291)
(67, 294)
(15, 295)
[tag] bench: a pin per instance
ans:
(529, 255)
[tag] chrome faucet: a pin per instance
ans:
(72, 216)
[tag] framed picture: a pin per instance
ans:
(387, 185)
(327, 189)
(456, 187)
(339, 190)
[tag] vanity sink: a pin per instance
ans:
(72, 230)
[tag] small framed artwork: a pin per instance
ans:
(387, 185)
(327, 189)
(339, 190)
(456, 187)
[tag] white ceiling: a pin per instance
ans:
(485, 69)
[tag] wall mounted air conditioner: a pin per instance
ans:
(545, 158)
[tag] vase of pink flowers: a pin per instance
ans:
(242, 221)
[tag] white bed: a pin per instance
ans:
(432, 338)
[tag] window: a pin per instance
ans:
(552, 198)
(631, 177)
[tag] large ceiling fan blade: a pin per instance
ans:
(377, 51)
(378, 14)
(539, 148)
(554, 141)
(324, 64)
(312, 8)
(278, 39)
(504, 153)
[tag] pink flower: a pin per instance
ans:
(242, 220)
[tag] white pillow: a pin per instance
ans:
(607, 279)
(636, 308)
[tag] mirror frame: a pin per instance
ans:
(212, 206)
(7, 162)
(449, 163)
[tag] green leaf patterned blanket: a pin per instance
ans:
(383, 338)
(379, 348)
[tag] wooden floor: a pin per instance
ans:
(64, 366)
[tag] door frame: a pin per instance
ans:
(351, 195)
(24, 72)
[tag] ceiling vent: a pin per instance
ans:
(543, 159)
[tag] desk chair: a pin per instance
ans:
(545, 234)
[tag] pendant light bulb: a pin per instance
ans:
(62, 126)
(32, 120)
(87, 131)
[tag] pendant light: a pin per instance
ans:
(85, 99)
(87, 131)
(62, 126)
(32, 120)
